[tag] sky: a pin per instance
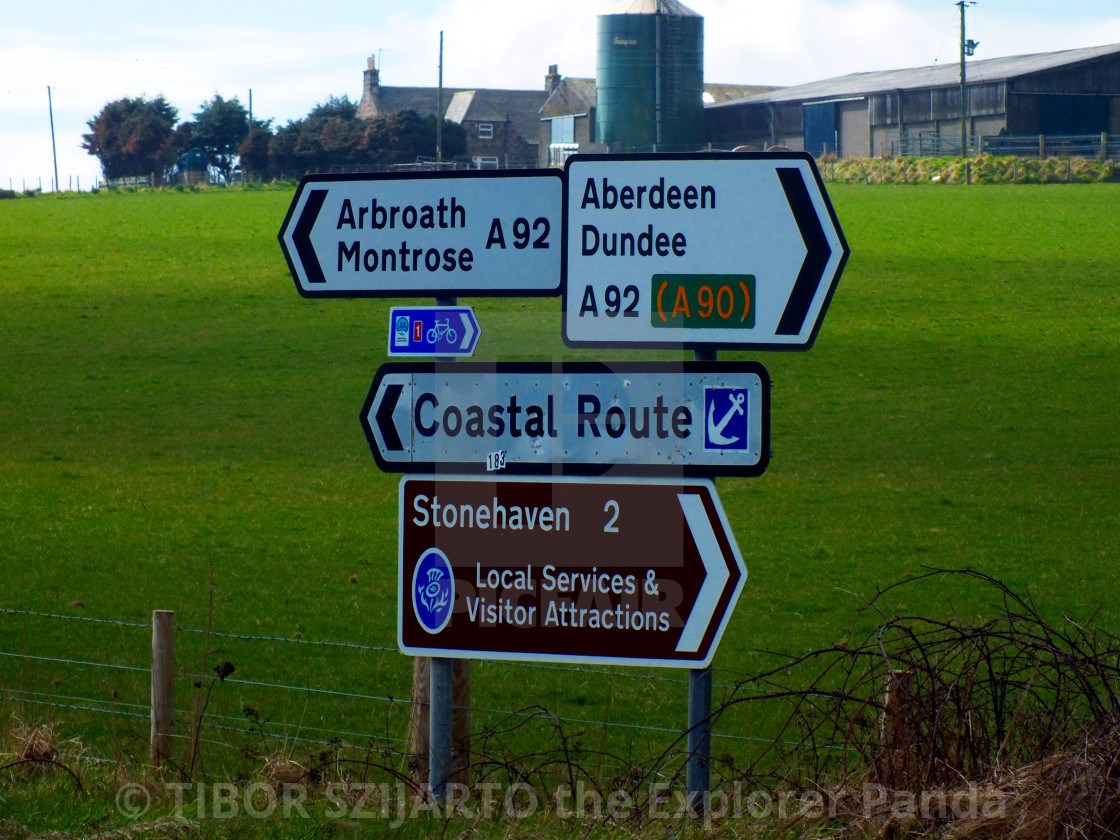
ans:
(290, 55)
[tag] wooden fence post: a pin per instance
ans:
(418, 720)
(163, 685)
(896, 764)
(460, 720)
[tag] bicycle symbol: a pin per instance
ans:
(442, 331)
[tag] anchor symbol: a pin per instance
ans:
(715, 430)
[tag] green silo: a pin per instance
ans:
(650, 77)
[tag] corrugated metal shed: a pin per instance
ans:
(985, 71)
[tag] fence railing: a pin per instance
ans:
(933, 144)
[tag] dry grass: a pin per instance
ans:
(170, 828)
(34, 743)
(281, 770)
(1073, 793)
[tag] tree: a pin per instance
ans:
(403, 136)
(132, 137)
(332, 136)
(282, 157)
(334, 107)
(219, 127)
(253, 150)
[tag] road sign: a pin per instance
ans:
(583, 418)
(432, 331)
(639, 572)
(722, 250)
(426, 234)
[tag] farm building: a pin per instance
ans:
(513, 129)
(502, 126)
(569, 115)
(1072, 92)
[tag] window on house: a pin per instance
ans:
(564, 129)
(484, 162)
(486, 131)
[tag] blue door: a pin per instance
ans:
(820, 128)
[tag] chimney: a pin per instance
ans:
(372, 77)
(552, 80)
(370, 108)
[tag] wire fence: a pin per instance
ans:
(911, 704)
(242, 697)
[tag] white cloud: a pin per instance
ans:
(291, 64)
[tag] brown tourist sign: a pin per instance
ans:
(634, 572)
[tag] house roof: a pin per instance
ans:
(571, 96)
(472, 105)
(520, 107)
(423, 100)
(938, 75)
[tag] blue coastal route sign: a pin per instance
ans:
(576, 418)
(432, 331)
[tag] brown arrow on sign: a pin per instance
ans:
(634, 572)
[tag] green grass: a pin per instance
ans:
(179, 430)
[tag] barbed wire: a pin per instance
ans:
(20, 693)
(625, 673)
(258, 638)
(118, 622)
(75, 661)
(116, 712)
(279, 729)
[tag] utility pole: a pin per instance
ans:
(967, 48)
(54, 150)
(439, 105)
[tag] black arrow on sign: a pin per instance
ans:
(384, 418)
(816, 247)
(302, 236)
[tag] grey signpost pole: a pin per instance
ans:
(440, 697)
(698, 774)
(439, 710)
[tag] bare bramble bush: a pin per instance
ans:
(1015, 713)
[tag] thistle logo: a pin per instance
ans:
(433, 590)
(726, 418)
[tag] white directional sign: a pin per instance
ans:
(666, 418)
(426, 234)
(634, 572)
(703, 250)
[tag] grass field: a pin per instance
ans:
(179, 430)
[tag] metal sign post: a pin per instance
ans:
(698, 771)
(536, 550)
(440, 697)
